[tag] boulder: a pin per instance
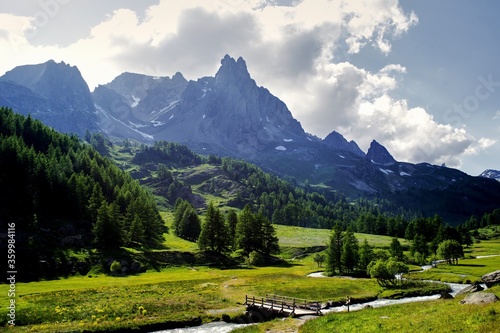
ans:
(473, 288)
(479, 298)
(491, 279)
(445, 295)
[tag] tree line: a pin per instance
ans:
(62, 194)
(344, 254)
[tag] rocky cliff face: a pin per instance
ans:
(378, 154)
(227, 114)
(55, 93)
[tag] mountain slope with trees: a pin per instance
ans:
(63, 196)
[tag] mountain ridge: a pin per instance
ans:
(227, 115)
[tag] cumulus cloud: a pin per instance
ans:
(290, 48)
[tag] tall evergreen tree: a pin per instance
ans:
(269, 240)
(247, 232)
(396, 250)
(232, 221)
(350, 248)
(107, 228)
(365, 255)
(334, 251)
(214, 234)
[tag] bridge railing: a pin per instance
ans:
(283, 303)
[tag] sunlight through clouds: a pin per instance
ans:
(289, 49)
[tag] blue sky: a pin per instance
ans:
(421, 77)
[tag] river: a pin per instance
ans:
(222, 327)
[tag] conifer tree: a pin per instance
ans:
(350, 247)
(232, 221)
(269, 240)
(334, 251)
(365, 255)
(247, 232)
(396, 250)
(107, 228)
(214, 234)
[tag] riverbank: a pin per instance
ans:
(184, 294)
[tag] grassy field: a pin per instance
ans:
(305, 237)
(184, 294)
(467, 270)
(433, 316)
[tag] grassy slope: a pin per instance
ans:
(304, 237)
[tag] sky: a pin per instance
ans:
(420, 77)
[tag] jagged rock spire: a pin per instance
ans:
(379, 154)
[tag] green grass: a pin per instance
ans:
(173, 242)
(467, 270)
(484, 247)
(174, 294)
(432, 316)
(305, 237)
(183, 293)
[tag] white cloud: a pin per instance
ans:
(288, 49)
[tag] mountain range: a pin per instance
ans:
(230, 115)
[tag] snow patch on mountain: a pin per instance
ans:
(109, 116)
(280, 148)
(386, 171)
(136, 101)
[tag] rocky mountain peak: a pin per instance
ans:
(336, 141)
(232, 72)
(178, 77)
(379, 154)
(67, 103)
(489, 173)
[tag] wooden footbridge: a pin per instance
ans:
(283, 305)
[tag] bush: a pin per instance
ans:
(116, 267)
(255, 259)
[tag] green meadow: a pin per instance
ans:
(185, 294)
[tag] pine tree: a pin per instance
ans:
(350, 247)
(396, 250)
(136, 233)
(334, 251)
(365, 255)
(107, 228)
(232, 221)
(214, 234)
(247, 232)
(269, 240)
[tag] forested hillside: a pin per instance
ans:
(172, 171)
(64, 197)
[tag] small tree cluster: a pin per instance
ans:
(246, 232)
(186, 224)
(451, 251)
(387, 272)
(343, 253)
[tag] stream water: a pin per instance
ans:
(222, 327)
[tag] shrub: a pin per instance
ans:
(116, 267)
(255, 259)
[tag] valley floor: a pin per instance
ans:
(180, 296)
